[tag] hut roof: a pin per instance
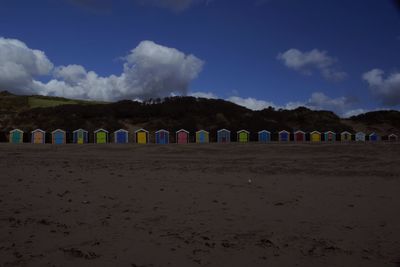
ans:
(299, 131)
(101, 130)
(283, 131)
(372, 134)
(223, 130)
(38, 130)
(345, 132)
(202, 131)
(80, 130)
(16, 130)
(141, 130)
(315, 132)
(182, 130)
(162, 130)
(393, 134)
(121, 130)
(58, 130)
(243, 131)
(264, 131)
(330, 132)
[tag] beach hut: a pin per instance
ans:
(142, 136)
(80, 136)
(284, 136)
(345, 136)
(224, 136)
(121, 136)
(182, 136)
(58, 137)
(373, 137)
(329, 136)
(299, 136)
(264, 136)
(243, 136)
(16, 136)
(360, 137)
(315, 136)
(38, 136)
(162, 137)
(392, 138)
(202, 137)
(101, 136)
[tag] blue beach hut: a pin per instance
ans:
(264, 136)
(284, 136)
(224, 136)
(121, 136)
(373, 137)
(162, 137)
(58, 137)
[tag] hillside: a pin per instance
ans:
(49, 113)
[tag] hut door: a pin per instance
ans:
(38, 138)
(58, 138)
(141, 138)
(80, 137)
(182, 138)
(121, 138)
(101, 138)
(202, 137)
(162, 138)
(242, 137)
(16, 137)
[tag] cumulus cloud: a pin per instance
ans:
(250, 103)
(19, 65)
(150, 70)
(317, 101)
(386, 89)
(208, 95)
(307, 62)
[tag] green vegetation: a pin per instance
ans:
(46, 101)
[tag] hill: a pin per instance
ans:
(49, 113)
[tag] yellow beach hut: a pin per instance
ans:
(142, 136)
(243, 136)
(16, 136)
(101, 136)
(345, 136)
(315, 136)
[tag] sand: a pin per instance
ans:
(193, 205)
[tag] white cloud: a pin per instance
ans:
(250, 103)
(320, 101)
(317, 101)
(387, 90)
(19, 65)
(208, 95)
(354, 112)
(149, 71)
(307, 62)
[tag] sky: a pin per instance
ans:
(336, 55)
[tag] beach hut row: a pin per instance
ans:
(102, 136)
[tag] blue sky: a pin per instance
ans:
(333, 54)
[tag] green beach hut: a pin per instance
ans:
(101, 136)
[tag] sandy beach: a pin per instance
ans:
(193, 205)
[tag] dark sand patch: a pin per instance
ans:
(193, 205)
